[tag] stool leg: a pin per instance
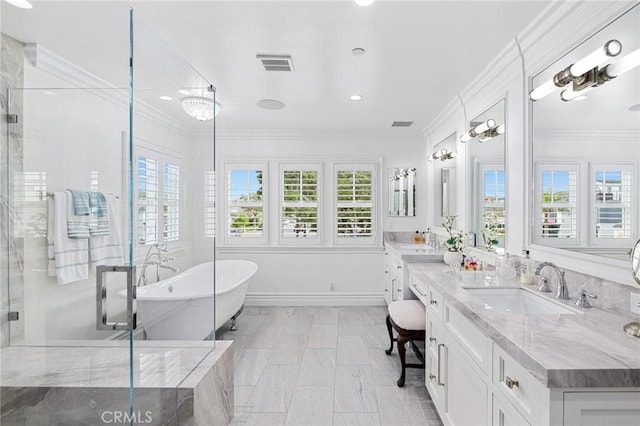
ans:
(402, 340)
(388, 351)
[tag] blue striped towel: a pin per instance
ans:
(80, 202)
(77, 226)
(99, 225)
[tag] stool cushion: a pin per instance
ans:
(408, 314)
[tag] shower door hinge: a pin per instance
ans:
(12, 118)
(13, 316)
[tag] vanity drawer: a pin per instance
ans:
(435, 303)
(516, 384)
(470, 337)
(418, 287)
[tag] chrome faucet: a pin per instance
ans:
(155, 256)
(562, 291)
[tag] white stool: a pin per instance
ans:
(408, 318)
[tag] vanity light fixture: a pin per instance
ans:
(200, 108)
(355, 97)
(403, 173)
(491, 133)
(619, 67)
(581, 74)
(442, 155)
(478, 130)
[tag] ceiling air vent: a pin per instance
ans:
(402, 124)
(276, 62)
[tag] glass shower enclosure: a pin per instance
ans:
(107, 189)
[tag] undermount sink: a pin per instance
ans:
(517, 301)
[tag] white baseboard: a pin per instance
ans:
(315, 299)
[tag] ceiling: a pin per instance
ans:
(419, 54)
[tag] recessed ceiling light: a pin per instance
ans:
(355, 97)
(635, 107)
(271, 104)
(184, 92)
(364, 2)
(166, 98)
(22, 4)
(358, 51)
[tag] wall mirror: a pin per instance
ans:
(444, 172)
(402, 192)
(486, 144)
(585, 151)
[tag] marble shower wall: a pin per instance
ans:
(11, 247)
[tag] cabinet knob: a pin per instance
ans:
(399, 290)
(432, 377)
(433, 339)
(511, 383)
(433, 302)
(399, 267)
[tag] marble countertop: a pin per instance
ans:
(585, 349)
(414, 252)
(155, 364)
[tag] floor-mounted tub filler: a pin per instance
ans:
(181, 307)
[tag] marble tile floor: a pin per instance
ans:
(323, 366)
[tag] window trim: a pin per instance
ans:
(163, 157)
(595, 166)
(250, 165)
(301, 166)
(371, 240)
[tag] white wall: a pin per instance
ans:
(325, 275)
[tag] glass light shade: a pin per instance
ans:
(202, 109)
(610, 49)
(22, 4)
(623, 64)
(542, 90)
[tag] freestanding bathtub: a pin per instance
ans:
(181, 307)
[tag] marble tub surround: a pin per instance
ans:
(585, 349)
(77, 385)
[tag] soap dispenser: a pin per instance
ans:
(527, 269)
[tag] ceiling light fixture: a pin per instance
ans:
(22, 4)
(355, 97)
(581, 74)
(364, 2)
(271, 104)
(166, 98)
(202, 109)
(358, 51)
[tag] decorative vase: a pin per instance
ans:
(453, 258)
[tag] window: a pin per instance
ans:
(354, 195)
(158, 198)
(557, 204)
(209, 204)
(245, 203)
(493, 190)
(611, 191)
(299, 202)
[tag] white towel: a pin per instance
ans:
(68, 257)
(107, 249)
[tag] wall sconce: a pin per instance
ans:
(583, 73)
(403, 173)
(480, 129)
(442, 155)
(491, 133)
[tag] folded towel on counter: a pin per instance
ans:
(68, 257)
(99, 222)
(80, 202)
(107, 249)
(78, 227)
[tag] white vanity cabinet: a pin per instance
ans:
(393, 274)
(473, 380)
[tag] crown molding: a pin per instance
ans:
(79, 78)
